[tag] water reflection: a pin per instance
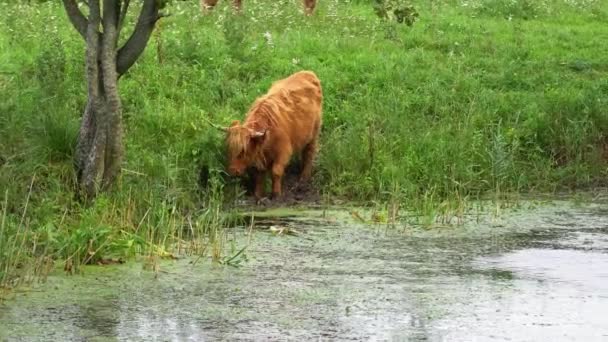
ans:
(555, 295)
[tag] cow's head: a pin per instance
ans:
(244, 147)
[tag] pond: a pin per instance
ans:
(539, 272)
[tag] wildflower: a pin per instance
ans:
(268, 38)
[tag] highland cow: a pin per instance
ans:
(285, 121)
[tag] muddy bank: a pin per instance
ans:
(294, 192)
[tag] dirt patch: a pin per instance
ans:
(604, 148)
(294, 193)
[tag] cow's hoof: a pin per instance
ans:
(302, 186)
(262, 201)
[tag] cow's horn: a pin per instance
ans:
(259, 134)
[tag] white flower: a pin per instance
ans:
(268, 37)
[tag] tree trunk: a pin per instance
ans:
(99, 152)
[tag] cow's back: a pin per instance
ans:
(299, 81)
(301, 99)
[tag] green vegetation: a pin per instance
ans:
(476, 97)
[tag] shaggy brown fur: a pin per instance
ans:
(207, 5)
(286, 120)
(309, 6)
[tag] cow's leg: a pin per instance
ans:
(259, 177)
(278, 169)
(308, 156)
(309, 6)
(237, 4)
(208, 5)
(277, 177)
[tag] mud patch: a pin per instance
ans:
(294, 192)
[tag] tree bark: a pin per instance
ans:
(76, 17)
(99, 152)
(92, 137)
(114, 149)
(135, 45)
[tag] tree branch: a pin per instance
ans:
(111, 10)
(92, 54)
(123, 14)
(76, 17)
(136, 44)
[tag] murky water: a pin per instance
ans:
(537, 274)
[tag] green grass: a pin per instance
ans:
(477, 97)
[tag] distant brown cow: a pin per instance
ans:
(286, 120)
(309, 6)
(206, 5)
